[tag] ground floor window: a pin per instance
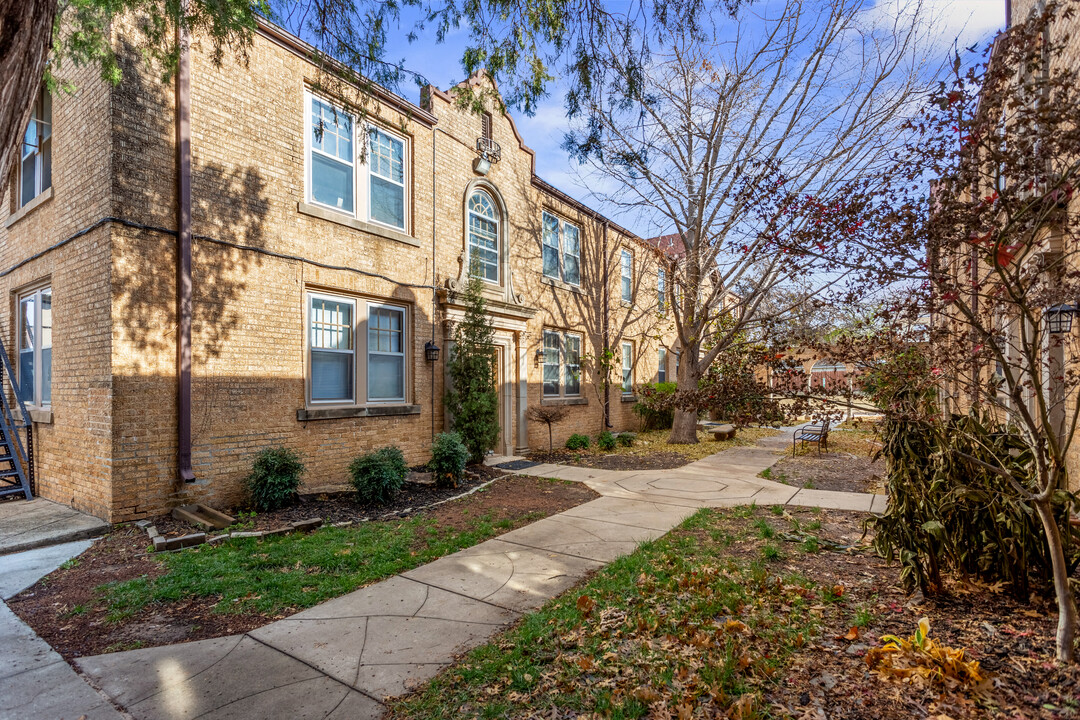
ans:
(358, 350)
(661, 359)
(562, 364)
(627, 368)
(35, 347)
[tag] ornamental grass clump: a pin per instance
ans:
(378, 475)
(448, 458)
(274, 479)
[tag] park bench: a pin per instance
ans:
(817, 433)
(720, 431)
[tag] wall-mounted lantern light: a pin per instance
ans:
(431, 351)
(539, 357)
(1059, 319)
(481, 165)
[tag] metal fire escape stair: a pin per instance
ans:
(16, 460)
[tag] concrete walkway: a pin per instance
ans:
(38, 683)
(29, 524)
(343, 658)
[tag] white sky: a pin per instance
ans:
(962, 23)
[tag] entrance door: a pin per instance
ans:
(499, 379)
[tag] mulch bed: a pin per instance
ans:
(844, 472)
(611, 461)
(66, 610)
(417, 492)
(829, 678)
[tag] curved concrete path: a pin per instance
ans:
(343, 658)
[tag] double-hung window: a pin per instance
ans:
(661, 365)
(561, 253)
(35, 347)
(35, 156)
(562, 364)
(626, 272)
(357, 351)
(627, 368)
(339, 177)
(661, 288)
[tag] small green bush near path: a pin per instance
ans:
(378, 475)
(274, 479)
(626, 439)
(679, 621)
(278, 573)
(577, 441)
(448, 458)
(605, 441)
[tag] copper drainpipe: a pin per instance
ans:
(183, 251)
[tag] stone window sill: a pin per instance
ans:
(351, 222)
(42, 417)
(28, 208)
(629, 398)
(556, 283)
(564, 401)
(306, 414)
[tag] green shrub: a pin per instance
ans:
(626, 439)
(471, 397)
(275, 476)
(654, 405)
(577, 441)
(605, 441)
(378, 475)
(448, 458)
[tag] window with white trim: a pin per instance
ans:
(678, 360)
(626, 271)
(661, 365)
(661, 296)
(562, 364)
(561, 252)
(357, 351)
(483, 237)
(35, 156)
(627, 368)
(35, 347)
(338, 177)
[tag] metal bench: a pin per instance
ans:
(817, 433)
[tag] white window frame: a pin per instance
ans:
(360, 165)
(661, 365)
(661, 289)
(560, 247)
(498, 235)
(678, 361)
(564, 367)
(404, 354)
(626, 275)
(361, 352)
(627, 360)
(44, 133)
(36, 398)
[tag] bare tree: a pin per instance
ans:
(547, 414)
(728, 134)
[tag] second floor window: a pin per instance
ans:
(35, 347)
(35, 156)
(561, 250)
(483, 237)
(661, 282)
(562, 364)
(375, 190)
(626, 272)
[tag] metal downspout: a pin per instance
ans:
(183, 250)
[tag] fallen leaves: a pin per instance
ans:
(919, 659)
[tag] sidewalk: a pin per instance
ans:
(342, 659)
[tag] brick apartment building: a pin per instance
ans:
(327, 250)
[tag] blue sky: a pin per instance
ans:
(968, 21)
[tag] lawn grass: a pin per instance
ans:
(655, 441)
(679, 628)
(279, 573)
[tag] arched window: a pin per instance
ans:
(483, 237)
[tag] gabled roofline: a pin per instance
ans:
(285, 39)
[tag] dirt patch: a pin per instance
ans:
(612, 461)
(844, 472)
(67, 609)
(335, 507)
(1013, 642)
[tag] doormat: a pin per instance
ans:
(517, 465)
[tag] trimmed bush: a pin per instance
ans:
(378, 475)
(448, 458)
(626, 439)
(577, 441)
(274, 479)
(605, 441)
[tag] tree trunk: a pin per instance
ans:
(684, 427)
(1066, 629)
(26, 35)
